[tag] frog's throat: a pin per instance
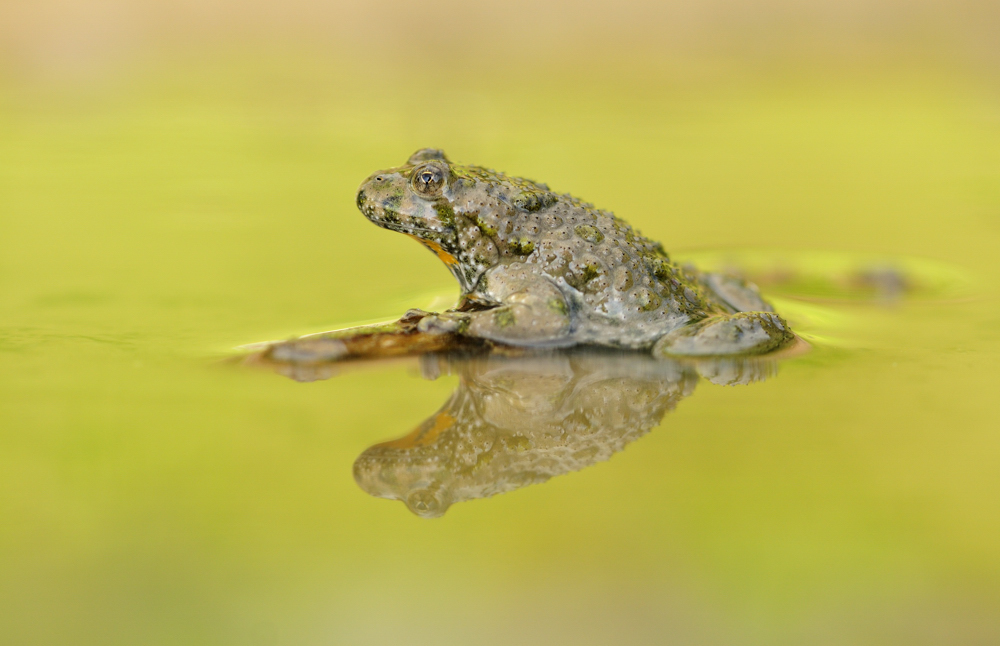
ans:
(426, 433)
(438, 250)
(449, 260)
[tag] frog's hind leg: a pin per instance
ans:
(736, 293)
(742, 333)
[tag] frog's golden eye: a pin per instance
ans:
(428, 180)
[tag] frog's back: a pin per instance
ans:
(623, 287)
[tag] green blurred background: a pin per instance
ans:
(177, 179)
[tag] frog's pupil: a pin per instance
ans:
(427, 181)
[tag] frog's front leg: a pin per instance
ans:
(743, 333)
(523, 309)
(535, 316)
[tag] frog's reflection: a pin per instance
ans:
(517, 421)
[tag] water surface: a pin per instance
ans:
(152, 493)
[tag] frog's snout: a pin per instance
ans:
(366, 205)
(380, 196)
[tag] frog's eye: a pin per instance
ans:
(428, 180)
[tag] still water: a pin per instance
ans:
(519, 420)
(153, 492)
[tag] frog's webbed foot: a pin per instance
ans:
(533, 317)
(728, 334)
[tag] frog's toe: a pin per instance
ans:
(445, 323)
(742, 333)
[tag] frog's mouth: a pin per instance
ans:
(445, 236)
(417, 232)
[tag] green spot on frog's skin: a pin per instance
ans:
(531, 199)
(647, 300)
(658, 267)
(482, 461)
(445, 213)
(503, 317)
(590, 272)
(517, 443)
(558, 306)
(463, 325)
(392, 201)
(487, 230)
(522, 246)
(390, 207)
(589, 233)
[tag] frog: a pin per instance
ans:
(542, 269)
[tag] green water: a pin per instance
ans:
(152, 494)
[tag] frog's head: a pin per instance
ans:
(416, 199)
(461, 213)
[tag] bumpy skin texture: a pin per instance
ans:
(538, 268)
